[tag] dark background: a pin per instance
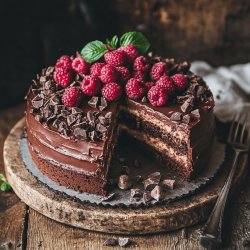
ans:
(34, 33)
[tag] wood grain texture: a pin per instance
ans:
(12, 210)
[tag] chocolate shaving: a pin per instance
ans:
(123, 242)
(54, 100)
(196, 112)
(124, 182)
(110, 242)
(157, 193)
(101, 128)
(49, 71)
(155, 175)
(37, 102)
(136, 193)
(188, 105)
(104, 104)
(80, 133)
(75, 110)
(144, 99)
(176, 116)
(109, 197)
(108, 116)
(182, 98)
(93, 136)
(168, 183)
(71, 119)
(186, 119)
(90, 116)
(102, 120)
(93, 101)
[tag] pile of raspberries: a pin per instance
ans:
(121, 70)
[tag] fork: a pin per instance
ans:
(239, 140)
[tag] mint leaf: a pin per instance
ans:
(93, 51)
(5, 186)
(137, 39)
(114, 42)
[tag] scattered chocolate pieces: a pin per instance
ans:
(110, 242)
(168, 183)
(124, 182)
(109, 197)
(93, 101)
(157, 193)
(104, 104)
(176, 116)
(123, 242)
(136, 193)
(37, 102)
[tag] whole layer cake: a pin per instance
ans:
(77, 109)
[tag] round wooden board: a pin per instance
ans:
(176, 215)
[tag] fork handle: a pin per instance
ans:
(211, 233)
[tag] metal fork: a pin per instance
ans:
(239, 140)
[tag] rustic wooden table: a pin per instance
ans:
(23, 228)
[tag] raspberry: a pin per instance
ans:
(124, 74)
(63, 76)
(112, 91)
(166, 83)
(115, 58)
(149, 85)
(91, 86)
(108, 74)
(157, 96)
(180, 81)
(130, 51)
(158, 70)
(80, 66)
(72, 97)
(139, 76)
(142, 64)
(135, 89)
(64, 61)
(95, 69)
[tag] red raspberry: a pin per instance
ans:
(108, 74)
(95, 69)
(90, 86)
(80, 66)
(115, 58)
(135, 89)
(112, 91)
(72, 97)
(149, 85)
(158, 70)
(166, 83)
(139, 76)
(63, 76)
(124, 74)
(157, 96)
(142, 64)
(64, 61)
(180, 81)
(130, 51)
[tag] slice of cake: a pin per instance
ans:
(77, 109)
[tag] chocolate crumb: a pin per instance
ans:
(109, 197)
(124, 182)
(136, 193)
(168, 183)
(123, 242)
(110, 242)
(176, 116)
(93, 101)
(157, 193)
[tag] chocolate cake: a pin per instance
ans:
(77, 109)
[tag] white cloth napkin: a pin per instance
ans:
(229, 85)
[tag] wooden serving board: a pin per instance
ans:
(172, 216)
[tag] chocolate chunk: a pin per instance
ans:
(186, 119)
(102, 120)
(125, 170)
(43, 79)
(93, 136)
(49, 71)
(196, 112)
(138, 178)
(124, 182)
(168, 183)
(90, 116)
(136, 193)
(56, 123)
(47, 85)
(146, 197)
(101, 128)
(150, 183)
(80, 133)
(71, 119)
(156, 176)
(76, 110)
(55, 100)
(144, 99)
(188, 105)
(103, 104)
(110, 242)
(65, 113)
(108, 116)
(182, 98)
(176, 116)
(109, 197)
(157, 193)
(137, 163)
(93, 101)
(37, 102)
(123, 242)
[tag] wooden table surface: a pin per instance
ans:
(23, 228)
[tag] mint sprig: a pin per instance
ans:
(93, 51)
(113, 42)
(5, 186)
(137, 39)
